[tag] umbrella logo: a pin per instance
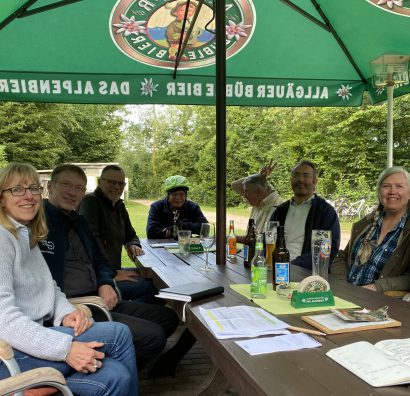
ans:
(149, 32)
(401, 7)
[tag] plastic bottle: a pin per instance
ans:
(259, 277)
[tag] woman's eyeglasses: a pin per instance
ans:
(19, 191)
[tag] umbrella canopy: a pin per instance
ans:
(279, 53)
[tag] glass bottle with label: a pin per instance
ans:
(231, 240)
(259, 277)
(281, 273)
(177, 224)
(249, 244)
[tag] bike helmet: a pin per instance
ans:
(175, 183)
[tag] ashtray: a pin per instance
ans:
(285, 291)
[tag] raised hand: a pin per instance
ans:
(268, 169)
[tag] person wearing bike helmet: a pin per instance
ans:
(174, 211)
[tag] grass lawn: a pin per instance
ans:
(238, 210)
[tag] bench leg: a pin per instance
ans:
(215, 385)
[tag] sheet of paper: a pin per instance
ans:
(289, 342)
(241, 321)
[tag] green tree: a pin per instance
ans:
(32, 132)
(95, 136)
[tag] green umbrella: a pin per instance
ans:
(108, 51)
(279, 53)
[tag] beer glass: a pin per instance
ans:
(270, 240)
(321, 246)
(184, 241)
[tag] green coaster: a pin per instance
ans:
(315, 299)
(193, 247)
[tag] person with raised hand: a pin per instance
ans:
(260, 195)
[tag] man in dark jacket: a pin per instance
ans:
(112, 229)
(304, 212)
(174, 211)
(81, 269)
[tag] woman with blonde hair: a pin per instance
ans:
(377, 256)
(36, 319)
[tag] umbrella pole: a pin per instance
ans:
(390, 89)
(220, 131)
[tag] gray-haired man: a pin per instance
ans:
(261, 196)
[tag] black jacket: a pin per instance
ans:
(321, 216)
(55, 246)
(160, 217)
(110, 225)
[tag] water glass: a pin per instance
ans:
(184, 241)
(321, 247)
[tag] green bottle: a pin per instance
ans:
(259, 275)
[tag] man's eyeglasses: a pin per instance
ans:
(114, 182)
(19, 191)
(68, 186)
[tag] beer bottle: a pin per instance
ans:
(281, 273)
(249, 245)
(177, 224)
(231, 242)
(259, 275)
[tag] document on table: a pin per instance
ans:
(289, 342)
(242, 321)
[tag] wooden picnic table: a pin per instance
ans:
(304, 372)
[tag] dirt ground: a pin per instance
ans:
(241, 222)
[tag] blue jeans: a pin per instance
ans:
(116, 377)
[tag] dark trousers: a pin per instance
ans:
(150, 326)
(141, 291)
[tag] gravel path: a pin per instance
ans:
(241, 222)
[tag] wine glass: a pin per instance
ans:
(207, 239)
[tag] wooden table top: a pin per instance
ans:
(304, 372)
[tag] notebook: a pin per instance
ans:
(190, 291)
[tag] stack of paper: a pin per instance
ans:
(242, 321)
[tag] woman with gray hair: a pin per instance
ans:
(377, 256)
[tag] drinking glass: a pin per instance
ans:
(184, 241)
(271, 228)
(207, 239)
(321, 246)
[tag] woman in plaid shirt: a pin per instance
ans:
(377, 256)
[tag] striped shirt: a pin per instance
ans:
(367, 273)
